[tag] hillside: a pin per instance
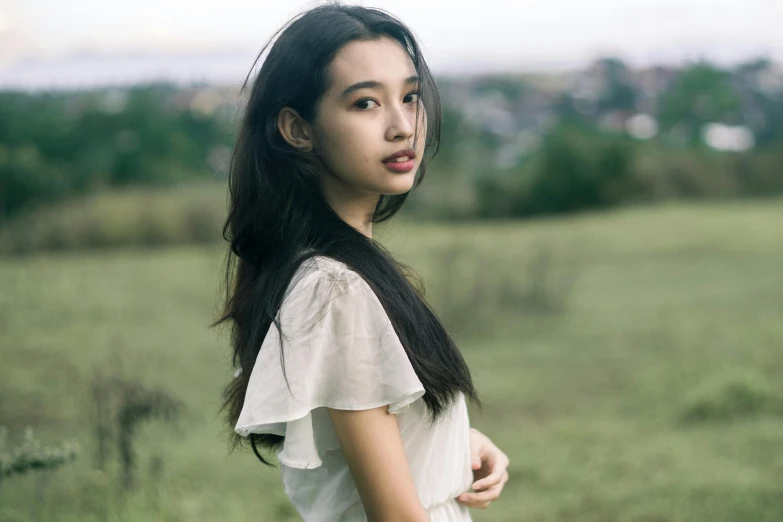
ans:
(629, 363)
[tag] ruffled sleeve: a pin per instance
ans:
(340, 351)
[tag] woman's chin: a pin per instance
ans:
(399, 184)
(397, 191)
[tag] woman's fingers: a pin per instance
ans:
(482, 499)
(490, 480)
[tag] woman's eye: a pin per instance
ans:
(364, 100)
(370, 100)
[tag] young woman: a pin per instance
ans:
(343, 368)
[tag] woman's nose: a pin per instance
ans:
(401, 123)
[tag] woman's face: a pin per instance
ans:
(357, 126)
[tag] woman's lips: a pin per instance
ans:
(399, 166)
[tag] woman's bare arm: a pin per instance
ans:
(373, 448)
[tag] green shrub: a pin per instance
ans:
(139, 216)
(730, 399)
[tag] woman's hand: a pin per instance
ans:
(489, 471)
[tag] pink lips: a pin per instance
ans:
(410, 153)
(399, 166)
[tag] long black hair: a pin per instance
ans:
(278, 216)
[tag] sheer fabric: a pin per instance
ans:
(341, 351)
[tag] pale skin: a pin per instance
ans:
(354, 132)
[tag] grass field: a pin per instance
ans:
(640, 380)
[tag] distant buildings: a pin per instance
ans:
(617, 99)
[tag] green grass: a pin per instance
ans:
(655, 393)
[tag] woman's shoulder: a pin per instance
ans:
(328, 265)
(323, 268)
(320, 279)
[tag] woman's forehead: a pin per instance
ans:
(383, 60)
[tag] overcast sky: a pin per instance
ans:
(512, 34)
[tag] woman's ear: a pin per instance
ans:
(294, 129)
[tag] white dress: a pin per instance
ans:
(341, 351)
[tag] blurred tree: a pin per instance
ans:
(703, 93)
(618, 92)
(61, 144)
(761, 89)
(576, 168)
(511, 87)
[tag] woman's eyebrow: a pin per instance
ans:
(372, 84)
